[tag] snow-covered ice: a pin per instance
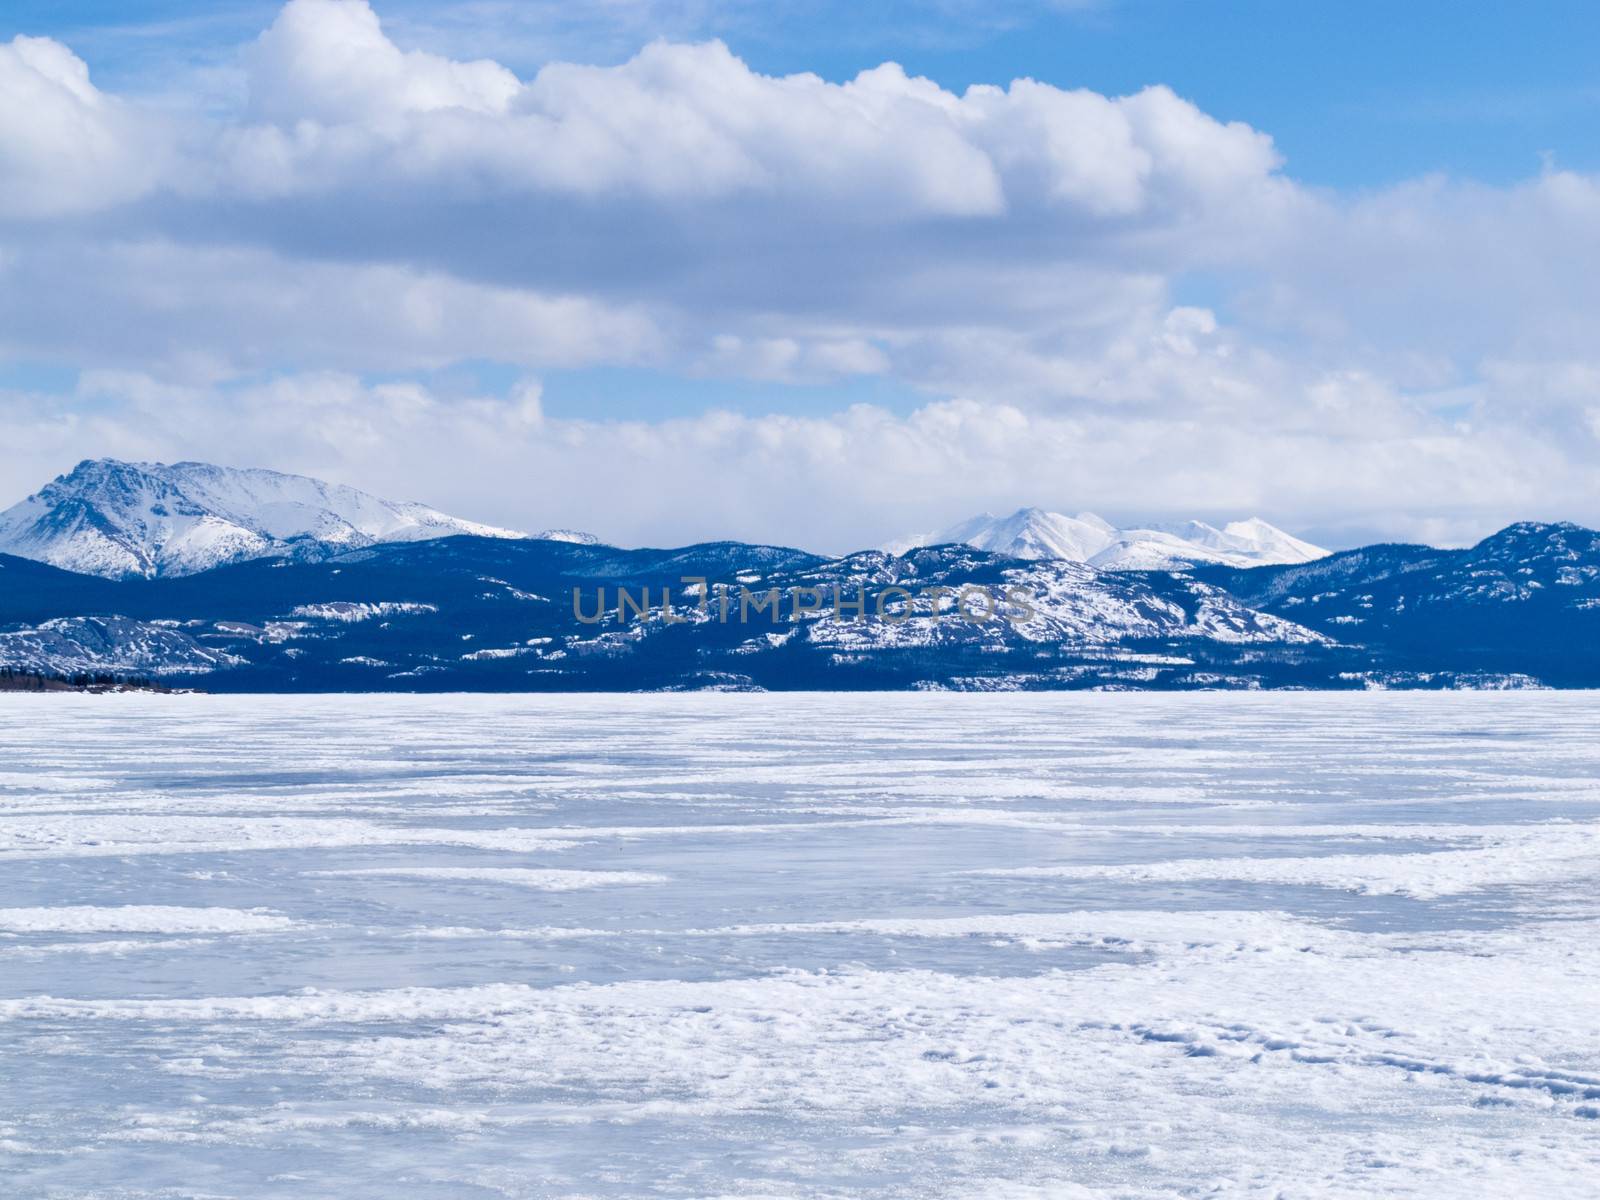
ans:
(905, 945)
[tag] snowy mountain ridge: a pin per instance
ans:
(133, 519)
(1034, 533)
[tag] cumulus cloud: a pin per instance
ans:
(694, 123)
(66, 147)
(329, 61)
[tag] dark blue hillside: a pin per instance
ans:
(1526, 599)
(448, 571)
(31, 592)
(1261, 585)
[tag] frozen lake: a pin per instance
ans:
(800, 946)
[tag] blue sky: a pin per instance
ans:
(1328, 264)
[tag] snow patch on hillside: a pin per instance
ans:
(113, 645)
(352, 611)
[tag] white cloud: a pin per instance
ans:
(65, 147)
(838, 481)
(329, 61)
(1454, 268)
(192, 311)
(692, 121)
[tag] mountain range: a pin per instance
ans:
(315, 588)
(1034, 533)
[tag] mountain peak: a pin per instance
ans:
(1545, 539)
(1536, 529)
(120, 519)
(576, 536)
(1036, 533)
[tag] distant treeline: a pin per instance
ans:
(13, 680)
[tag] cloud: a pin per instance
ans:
(332, 102)
(836, 481)
(65, 147)
(329, 61)
(1447, 267)
(213, 312)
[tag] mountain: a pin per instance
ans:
(1027, 533)
(1525, 599)
(120, 519)
(1033, 533)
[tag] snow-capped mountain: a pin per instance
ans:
(120, 519)
(1033, 533)
(1027, 533)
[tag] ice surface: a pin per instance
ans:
(547, 881)
(897, 945)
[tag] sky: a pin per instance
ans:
(814, 273)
